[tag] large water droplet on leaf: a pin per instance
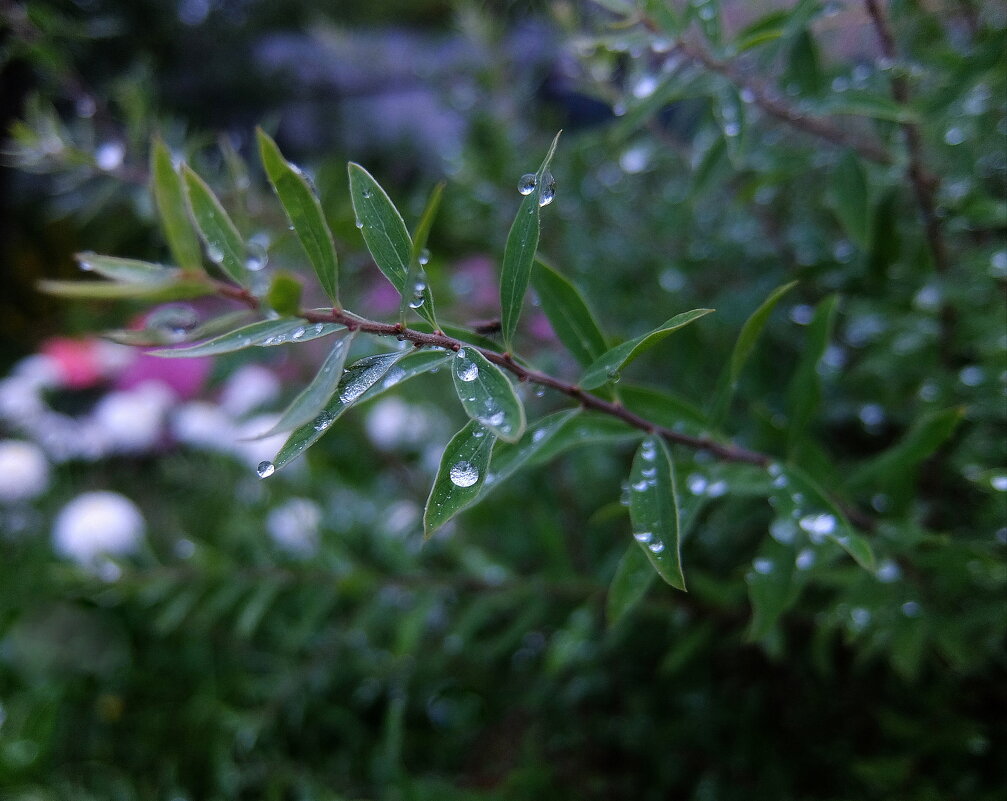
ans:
(463, 474)
(527, 183)
(265, 469)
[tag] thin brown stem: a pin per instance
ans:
(924, 185)
(775, 106)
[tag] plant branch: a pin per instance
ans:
(421, 339)
(773, 105)
(924, 185)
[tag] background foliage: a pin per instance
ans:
(295, 639)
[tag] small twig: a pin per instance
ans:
(773, 105)
(924, 185)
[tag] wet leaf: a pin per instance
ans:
(653, 509)
(460, 476)
(169, 198)
(224, 244)
(264, 333)
(568, 314)
(607, 366)
(487, 395)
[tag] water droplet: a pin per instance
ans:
(323, 421)
(648, 450)
(805, 559)
(696, 484)
(872, 415)
(911, 609)
(86, 266)
(780, 482)
(109, 156)
(818, 525)
(538, 434)
(643, 536)
(215, 254)
(783, 531)
(747, 95)
(539, 392)
(888, 572)
(763, 566)
(548, 193)
(655, 547)
(174, 320)
(644, 86)
(359, 223)
(265, 469)
(860, 617)
(954, 136)
(648, 472)
(256, 257)
(466, 370)
(424, 257)
(367, 194)
(716, 489)
(527, 183)
(732, 128)
(318, 328)
(972, 375)
(463, 474)
(641, 485)
(999, 483)
(494, 419)
(614, 376)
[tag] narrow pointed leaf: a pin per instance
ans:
(771, 587)
(487, 395)
(460, 476)
(607, 366)
(263, 334)
(519, 252)
(169, 197)
(633, 577)
(900, 462)
(653, 509)
(568, 314)
(114, 290)
(152, 335)
(127, 271)
(381, 225)
(743, 348)
(362, 381)
(821, 517)
(304, 212)
(851, 198)
(587, 428)
(508, 458)
(805, 393)
(420, 236)
(223, 242)
(310, 403)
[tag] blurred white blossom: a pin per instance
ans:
(95, 525)
(393, 423)
(249, 388)
(132, 421)
(293, 526)
(24, 471)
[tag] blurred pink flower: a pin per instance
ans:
(77, 360)
(185, 377)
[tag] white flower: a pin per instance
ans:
(97, 524)
(293, 526)
(249, 388)
(392, 422)
(133, 421)
(24, 471)
(20, 400)
(203, 425)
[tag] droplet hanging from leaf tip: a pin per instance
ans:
(265, 469)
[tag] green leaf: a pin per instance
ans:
(284, 296)
(633, 577)
(885, 240)
(743, 350)
(587, 428)
(824, 519)
(112, 290)
(519, 252)
(508, 458)
(568, 314)
(304, 212)
(607, 366)
(805, 392)
(362, 380)
(416, 271)
(765, 29)
(263, 334)
(664, 408)
(223, 242)
(127, 271)
(899, 463)
(487, 395)
(653, 509)
(154, 335)
(771, 586)
(851, 198)
(169, 197)
(384, 232)
(804, 68)
(310, 403)
(861, 104)
(460, 476)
